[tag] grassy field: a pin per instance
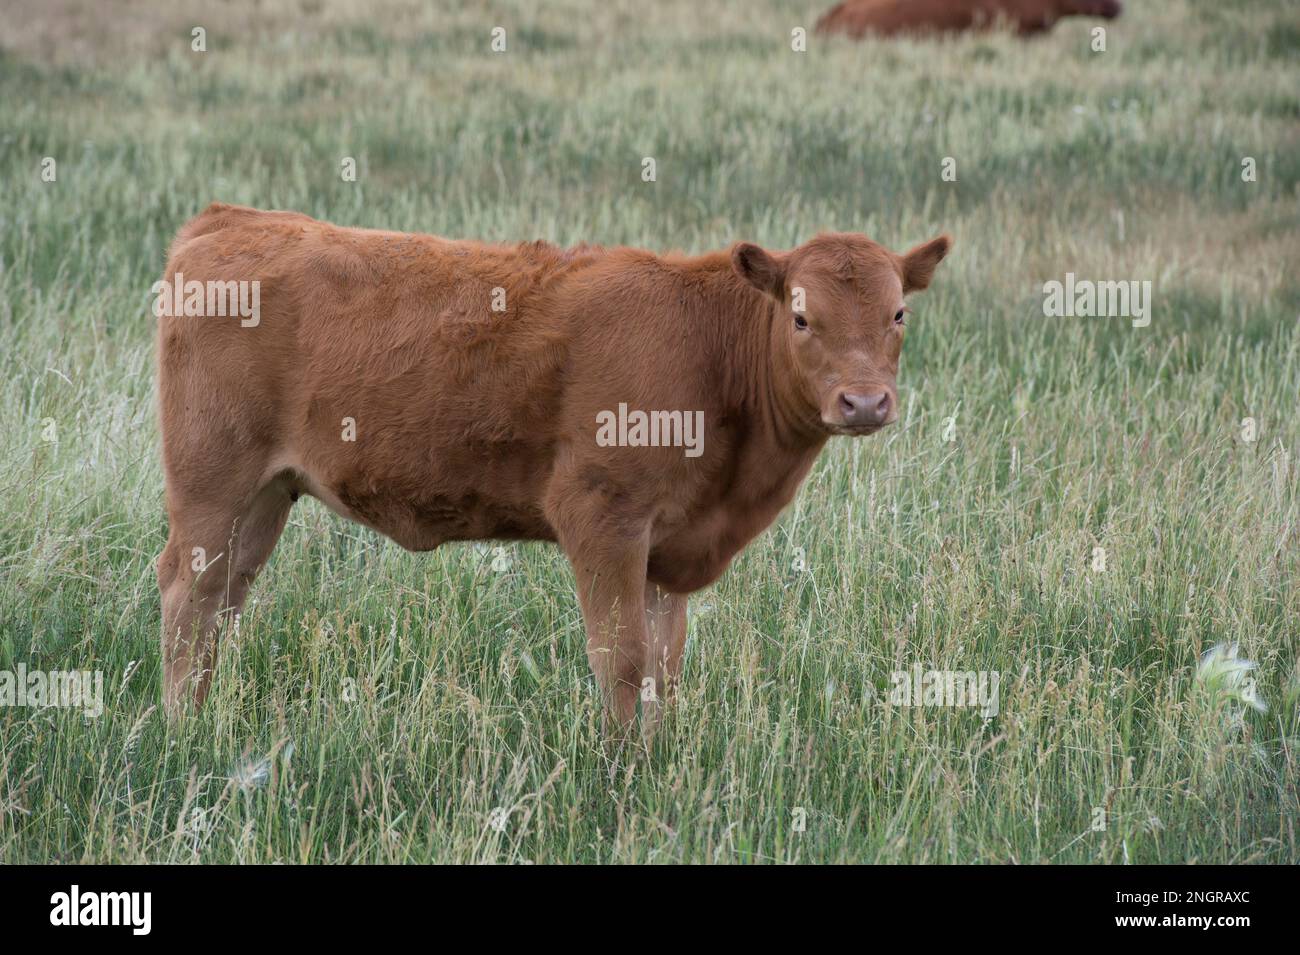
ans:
(383, 706)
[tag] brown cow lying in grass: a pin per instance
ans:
(890, 17)
(437, 390)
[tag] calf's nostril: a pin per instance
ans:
(865, 410)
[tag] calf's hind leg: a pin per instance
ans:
(215, 547)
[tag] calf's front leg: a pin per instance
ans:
(665, 639)
(611, 591)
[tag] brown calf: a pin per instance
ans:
(889, 17)
(437, 390)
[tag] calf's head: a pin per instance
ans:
(839, 322)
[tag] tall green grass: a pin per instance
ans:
(382, 706)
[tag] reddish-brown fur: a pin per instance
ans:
(889, 17)
(479, 424)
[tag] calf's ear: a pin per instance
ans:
(919, 263)
(759, 268)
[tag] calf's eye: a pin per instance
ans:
(800, 322)
(898, 319)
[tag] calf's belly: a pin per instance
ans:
(421, 511)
